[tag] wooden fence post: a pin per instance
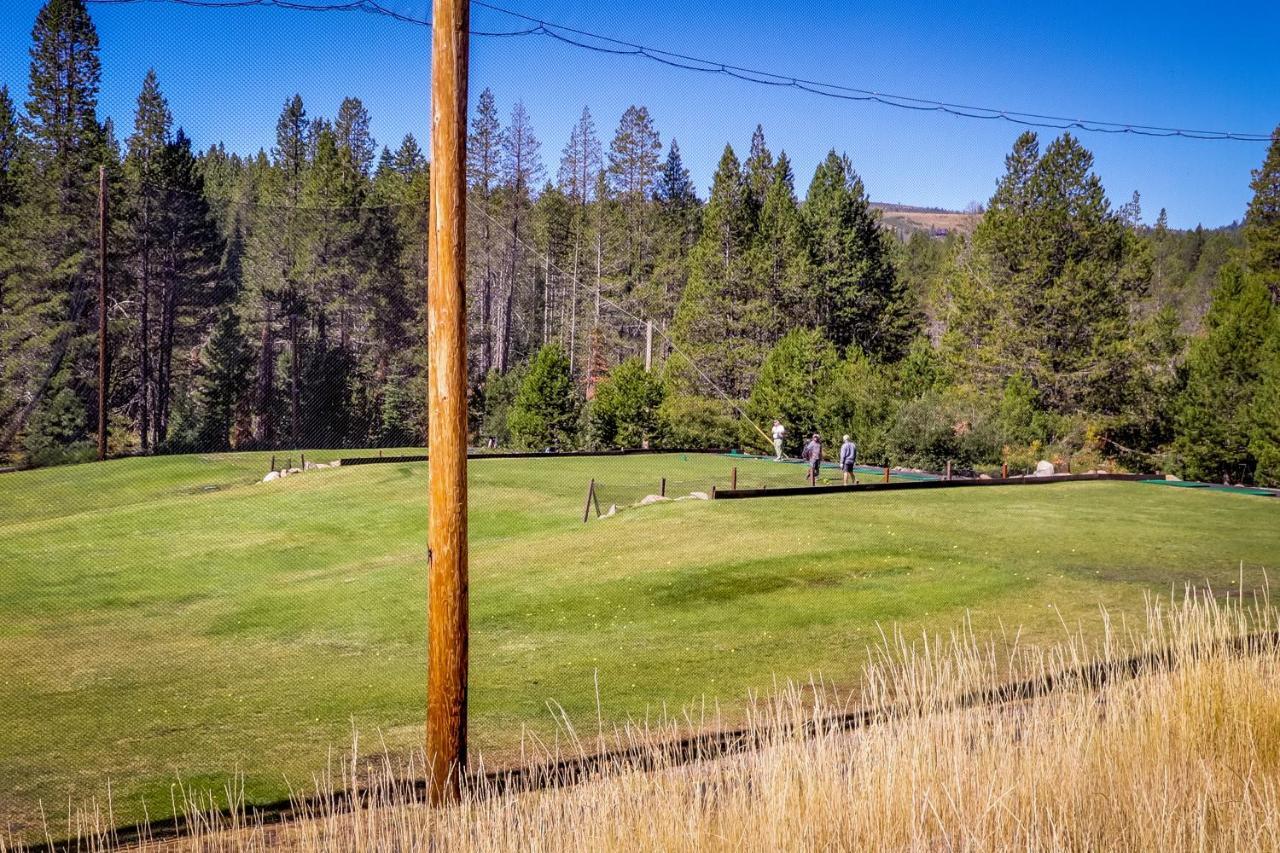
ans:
(662, 489)
(304, 462)
(591, 494)
(733, 479)
(1004, 471)
(948, 469)
(886, 473)
(273, 463)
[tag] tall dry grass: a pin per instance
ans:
(1167, 738)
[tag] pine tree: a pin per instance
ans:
(724, 317)
(151, 135)
(759, 168)
(351, 129)
(46, 331)
(9, 140)
(632, 170)
(780, 255)
(1262, 220)
(222, 382)
(521, 170)
(1264, 434)
(679, 220)
(189, 252)
(1224, 374)
(1048, 285)
(546, 408)
(290, 159)
(856, 297)
(580, 164)
(484, 163)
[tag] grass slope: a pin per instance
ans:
(173, 617)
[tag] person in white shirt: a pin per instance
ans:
(778, 432)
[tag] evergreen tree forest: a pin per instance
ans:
(275, 298)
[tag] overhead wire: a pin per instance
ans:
(600, 43)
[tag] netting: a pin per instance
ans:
(239, 588)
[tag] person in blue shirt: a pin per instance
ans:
(848, 458)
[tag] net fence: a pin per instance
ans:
(240, 587)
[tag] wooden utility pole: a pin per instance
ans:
(648, 346)
(447, 404)
(102, 313)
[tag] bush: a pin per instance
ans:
(698, 422)
(860, 400)
(626, 411)
(546, 408)
(56, 433)
(956, 426)
(498, 395)
(794, 377)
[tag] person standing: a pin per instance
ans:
(813, 455)
(778, 432)
(848, 459)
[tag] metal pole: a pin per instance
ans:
(447, 404)
(102, 313)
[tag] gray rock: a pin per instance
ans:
(1044, 468)
(271, 476)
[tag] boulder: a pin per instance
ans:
(1044, 468)
(295, 471)
(652, 499)
(700, 496)
(1171, 478)
(271, 476)
(984, 476)
(311, 466)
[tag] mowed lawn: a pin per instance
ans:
(173, 618)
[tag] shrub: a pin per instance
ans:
(545, 411)
(794, 377)
(698, 422)
(626, 410)
(56, 433)
(957, 425)
(860, 400)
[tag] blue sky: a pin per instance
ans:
(227, 72)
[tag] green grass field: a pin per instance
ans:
(174, 618)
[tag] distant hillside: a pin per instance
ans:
(905, 219)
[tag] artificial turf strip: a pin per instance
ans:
(173, 617)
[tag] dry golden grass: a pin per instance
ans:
(1179, 752)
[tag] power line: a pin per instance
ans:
(599, 43)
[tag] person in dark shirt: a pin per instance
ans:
(813, 455)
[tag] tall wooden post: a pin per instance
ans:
(648, 346)
(447, 404)
(102, 313)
